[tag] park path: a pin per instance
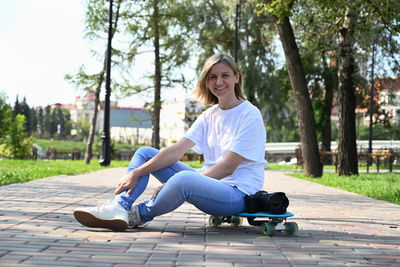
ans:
(337, 228)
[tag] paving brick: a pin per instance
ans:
(337, 228)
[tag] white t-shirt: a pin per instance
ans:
(240, 130)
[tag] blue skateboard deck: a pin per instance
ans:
(265, 214)
(268, 222)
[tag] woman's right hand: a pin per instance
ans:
(155, 193)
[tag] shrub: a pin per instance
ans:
(16, 145)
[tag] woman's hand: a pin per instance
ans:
(155, 193)
(127, 182)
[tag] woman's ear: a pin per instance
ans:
(237, 77)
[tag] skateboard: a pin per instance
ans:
(268, 222)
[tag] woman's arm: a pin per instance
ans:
(165, 158)
(224, 168)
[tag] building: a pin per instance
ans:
(134, 125)
(130, 125)
(127, 124)
(389, 98)
(176, 116)
(387, 95)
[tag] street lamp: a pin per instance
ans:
(371, 109)
(105, 155)
(237, 25)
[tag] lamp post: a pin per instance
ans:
(105, 156)
(371, 108)
(237, 25)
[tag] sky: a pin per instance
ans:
(40, 42)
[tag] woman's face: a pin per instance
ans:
(221, 82)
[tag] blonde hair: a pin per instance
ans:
(203, 93)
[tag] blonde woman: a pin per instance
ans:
(231, 136)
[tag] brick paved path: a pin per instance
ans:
(337, 228)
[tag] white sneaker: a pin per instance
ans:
(111, 216)
(134, 217)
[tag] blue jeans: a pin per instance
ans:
(182, 183)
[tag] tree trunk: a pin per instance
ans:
(329, 82)
(92, 132)
(347, 145)
(157, 80)
(308, 138)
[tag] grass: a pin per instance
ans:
(382, 186)
(69, 145)
(20, 171)
(60, 145)
(363, 167)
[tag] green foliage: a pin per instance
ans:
(379, 132)
(83, 127)
(278, 8)
(20, 171)
(16, 145)
(280, 116)
(48, 119)
(169, 21)
(82, 80)
(5, 117)
(383, 186)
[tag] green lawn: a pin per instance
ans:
(69, 145)
(20, 171)
(363, 167)
(383, 186)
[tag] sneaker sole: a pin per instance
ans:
(89, 220)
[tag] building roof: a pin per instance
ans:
(130, 117)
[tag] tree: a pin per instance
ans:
(17, 107)
(33, 122)
(5, 117)
(47, 122)
(16, 144)
(354, 22)
(161, 27)
(23, 108)
(317, 45)
(263, 82)
(96, 26)
(280, 11)
(347, 146)
(40, 121)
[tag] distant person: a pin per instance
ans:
(231, 136)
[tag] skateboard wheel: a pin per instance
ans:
(291, 228)
(215, 221)
(236, 221)
(267, 229)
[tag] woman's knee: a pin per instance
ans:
(146, 150)
(182, 177)
(145, 153)
(186, 182)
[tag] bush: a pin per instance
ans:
(16, 145)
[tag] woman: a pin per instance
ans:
(230, 134)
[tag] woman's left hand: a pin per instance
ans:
(127, 183)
